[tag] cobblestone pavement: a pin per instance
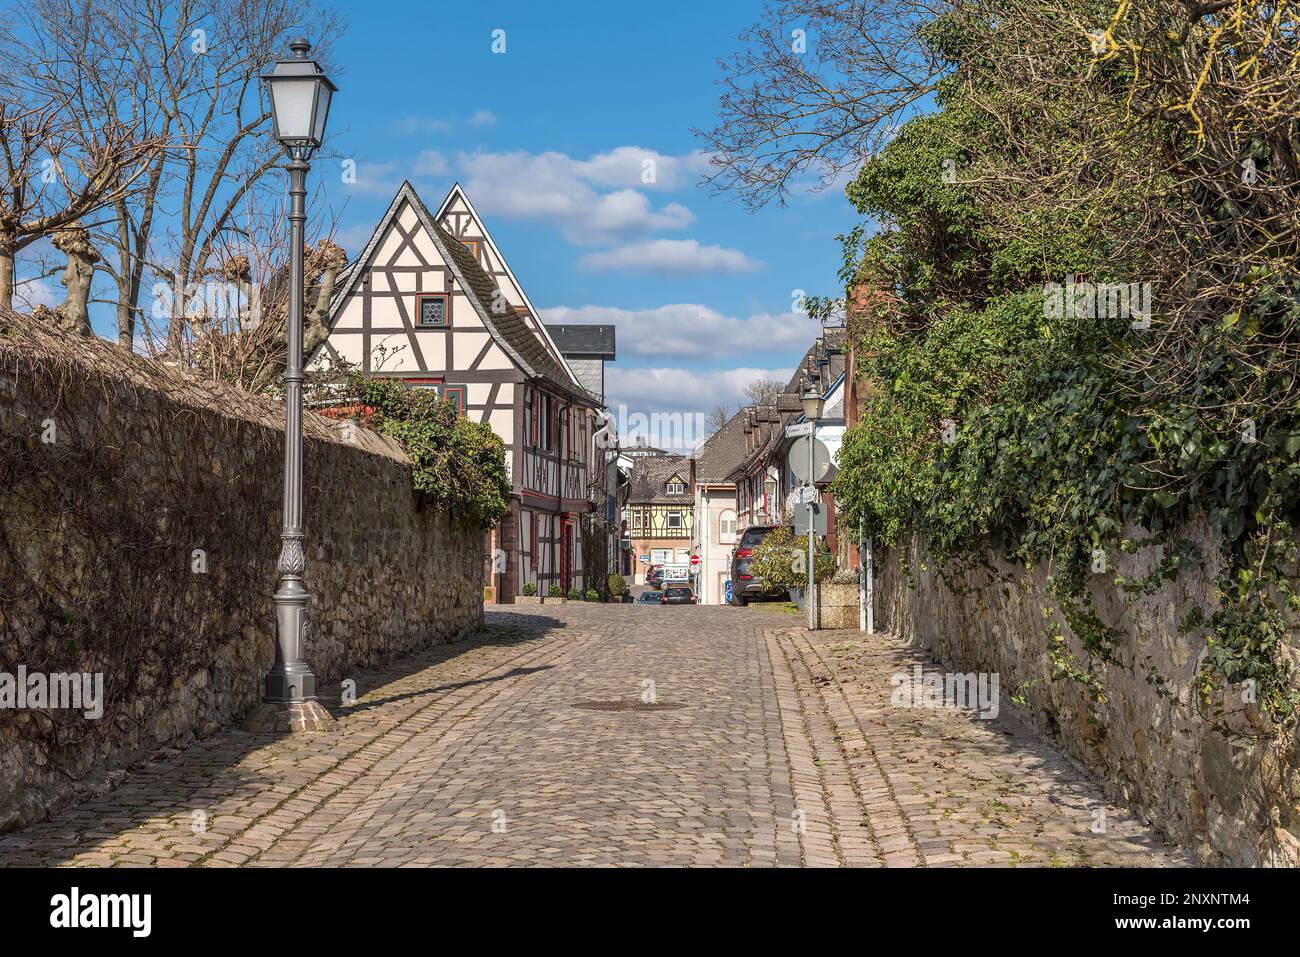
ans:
(767, 745)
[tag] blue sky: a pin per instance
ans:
(550, 140)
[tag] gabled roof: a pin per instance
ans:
(789, 408)
(581, 339)
(651, 473)
(507, 327)
(722, 451)
(457, 191)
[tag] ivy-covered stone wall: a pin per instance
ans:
(139, 531)
(1225, 786)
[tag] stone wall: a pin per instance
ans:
(139, 530)
(1230, 798)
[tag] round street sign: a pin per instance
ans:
(799, 459)
(695, 560)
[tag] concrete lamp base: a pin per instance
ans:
(289, 717)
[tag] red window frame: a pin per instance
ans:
(458, 394)
(532, 536)
(419, 309)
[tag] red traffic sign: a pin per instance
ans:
(695, 560)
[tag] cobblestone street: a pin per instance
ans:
(767, 745)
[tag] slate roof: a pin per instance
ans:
(582, 339)
(722, 451)
(523, 344)
(789, 408)
(650, 473)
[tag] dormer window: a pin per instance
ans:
(675, 486)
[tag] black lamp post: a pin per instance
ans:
(300, 101)
(813, 405)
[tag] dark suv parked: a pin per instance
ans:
(745, 586)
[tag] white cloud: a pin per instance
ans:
(482, 118)
(637, 167)
(596, 201)
(687, 330)
(601, 201)
(410, 125)
(28, 294)
(430, 163)
(673, 257)
(629, 211)
(671, 406)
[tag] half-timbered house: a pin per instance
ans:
(660, 504)
(432, 301)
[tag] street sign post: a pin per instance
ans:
(819, 519)
(798, 429)
(805, 494)
(799, 459)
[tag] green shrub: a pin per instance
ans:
(617, 585)
(593, 595)
(781, 561)
(575, 595)
(458, 463)
(530, 589)
(555, 592)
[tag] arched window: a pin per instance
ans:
(727, 527)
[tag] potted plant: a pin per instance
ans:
(592, 595)
(618, 590)
(556, 595)
(529, 595)
(575, 595)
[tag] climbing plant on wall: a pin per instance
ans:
(458, 463)
(1090, 336)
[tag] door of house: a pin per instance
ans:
(566, 555)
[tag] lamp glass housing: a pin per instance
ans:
(812, 405)
(300, 99)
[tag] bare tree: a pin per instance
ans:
(202, 92)
(764, 391)
(66, 149)
(718, 416)
(818, 87)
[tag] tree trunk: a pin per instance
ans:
(7, 273)
(74, 241)
(125, 302)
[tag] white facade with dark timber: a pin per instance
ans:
(431, 300)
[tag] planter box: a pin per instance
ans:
(528, 599)
(837, 605)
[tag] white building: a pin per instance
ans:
(715, 529)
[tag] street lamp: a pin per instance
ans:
(813, 404)
(300, 101)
